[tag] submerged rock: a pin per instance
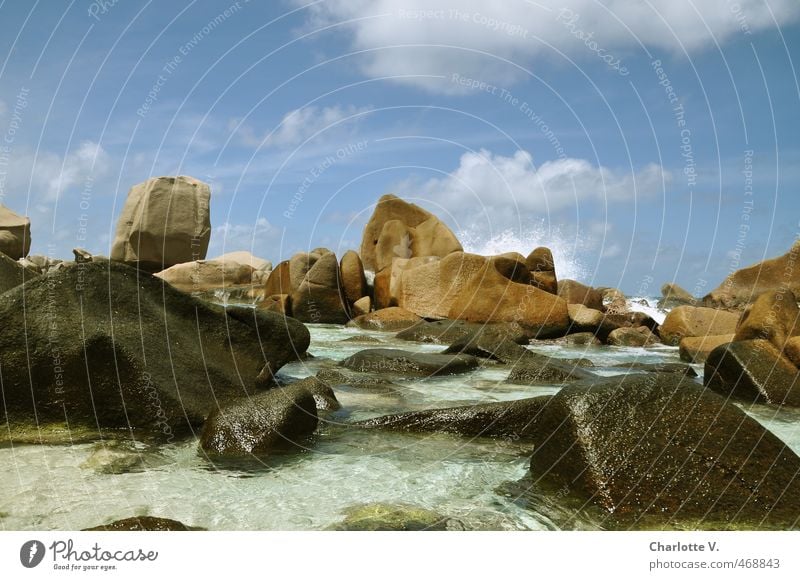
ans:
(516, 419)
(143, 524)
(379, 517)
(753, 371)
(388, 319)
(274, 421)
(450, 331)
(662, 446)
(537, 369)
(678, 368)
(113, 348)
(386, 360)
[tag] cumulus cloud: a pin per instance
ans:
(495, 185)
(298, 125)
(422, 32)
(48, 176)
(253, 237)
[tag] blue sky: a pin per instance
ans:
(523, 124)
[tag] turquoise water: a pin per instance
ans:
(470, 481)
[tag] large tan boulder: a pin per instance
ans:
(279, 280)
(247, 259)
(15, 234)
(354, 282)
(542, 267)
(165, 221)
(204, 275)
(387, 285)
(317, 298)
(399, 229)
(673, 295)
(686, 321)
(489, 295)
(695, 349)
(745, 285)
(584, 319)
(773, 317)
(576, 293)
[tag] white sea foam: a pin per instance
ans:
(566, 250)
(648, 305)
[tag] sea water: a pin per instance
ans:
(468, 480)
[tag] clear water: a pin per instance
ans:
(53, 487)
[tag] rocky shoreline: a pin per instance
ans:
(147, 346)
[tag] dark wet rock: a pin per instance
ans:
(338, 378)
(13, 273)
(378, 517)
(537, 369)
(387, 360)
(324, 396)
(678, 368)
(389, 319)
(143, 524)
(363, 338)
(753, 371)
(662, 446)
(274, 421)
(515, 419)
(489, 345)
(576, 339)
(112, 347)
(450, 331)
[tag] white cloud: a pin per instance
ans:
(255, 237)
(298, 125)
(497, 186)
(522, 31)
(49, 176)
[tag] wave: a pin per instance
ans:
(565, 249)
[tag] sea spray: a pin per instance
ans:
(566, 250)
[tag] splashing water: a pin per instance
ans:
(566, 249)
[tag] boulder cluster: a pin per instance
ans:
(147, 344)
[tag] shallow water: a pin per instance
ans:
(470, 481)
